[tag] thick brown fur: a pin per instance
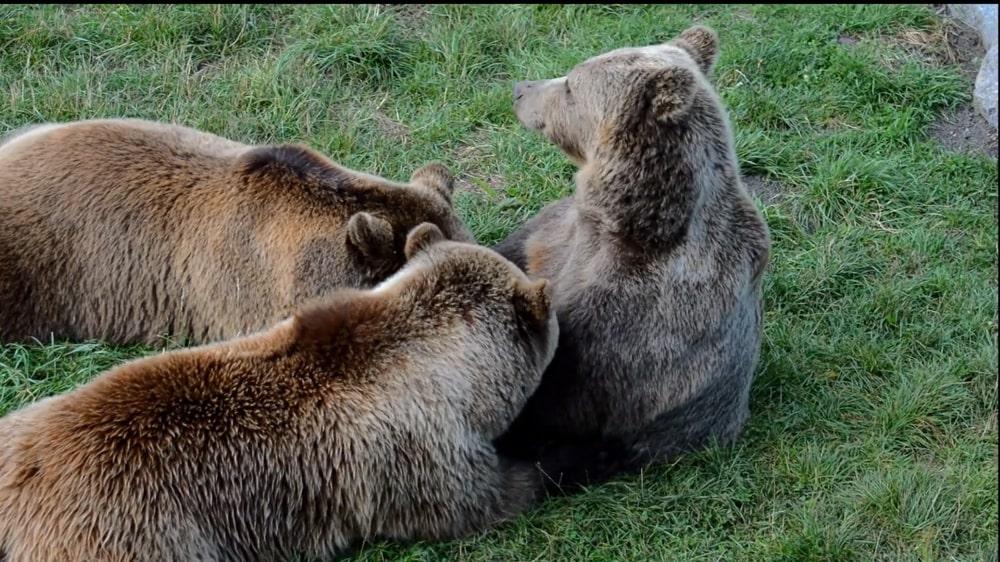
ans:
(128, 230)
(367, 414)
(656, 263)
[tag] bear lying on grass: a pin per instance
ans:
(655, 262)
(127, 230)
(364, 415)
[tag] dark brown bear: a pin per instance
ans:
(369, 414)
(128, 230)
(655, 262)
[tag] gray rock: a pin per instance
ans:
(985, 95)
(983, 18)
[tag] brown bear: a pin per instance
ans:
(369, 414)
(655, 262)
(126, 230)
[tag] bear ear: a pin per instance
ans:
(369, 235)
(437, 177)
(534, 300)
(421, 237)
(702, 43)
(671, 92)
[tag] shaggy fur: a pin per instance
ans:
(656, 262)
(366, 415)
(127, 230)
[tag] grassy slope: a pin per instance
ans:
(874, 428)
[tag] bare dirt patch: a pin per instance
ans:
(376, 118)
(472, 152)
(847, 40)
(768, 190)
(963, 45)
(390, 127)
(951, 42)
(410, 17)
(964, 130)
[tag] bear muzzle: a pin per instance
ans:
(526, 96)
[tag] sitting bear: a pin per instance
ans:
(128, 230)
(367, 414)
(655, 262)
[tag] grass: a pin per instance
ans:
(874, 414)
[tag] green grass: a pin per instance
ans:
(874, 415)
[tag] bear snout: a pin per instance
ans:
(524, 87)
(518, 90)
(526, 102)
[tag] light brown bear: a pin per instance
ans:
(656, 262)
(369, 414)
(127, 230)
